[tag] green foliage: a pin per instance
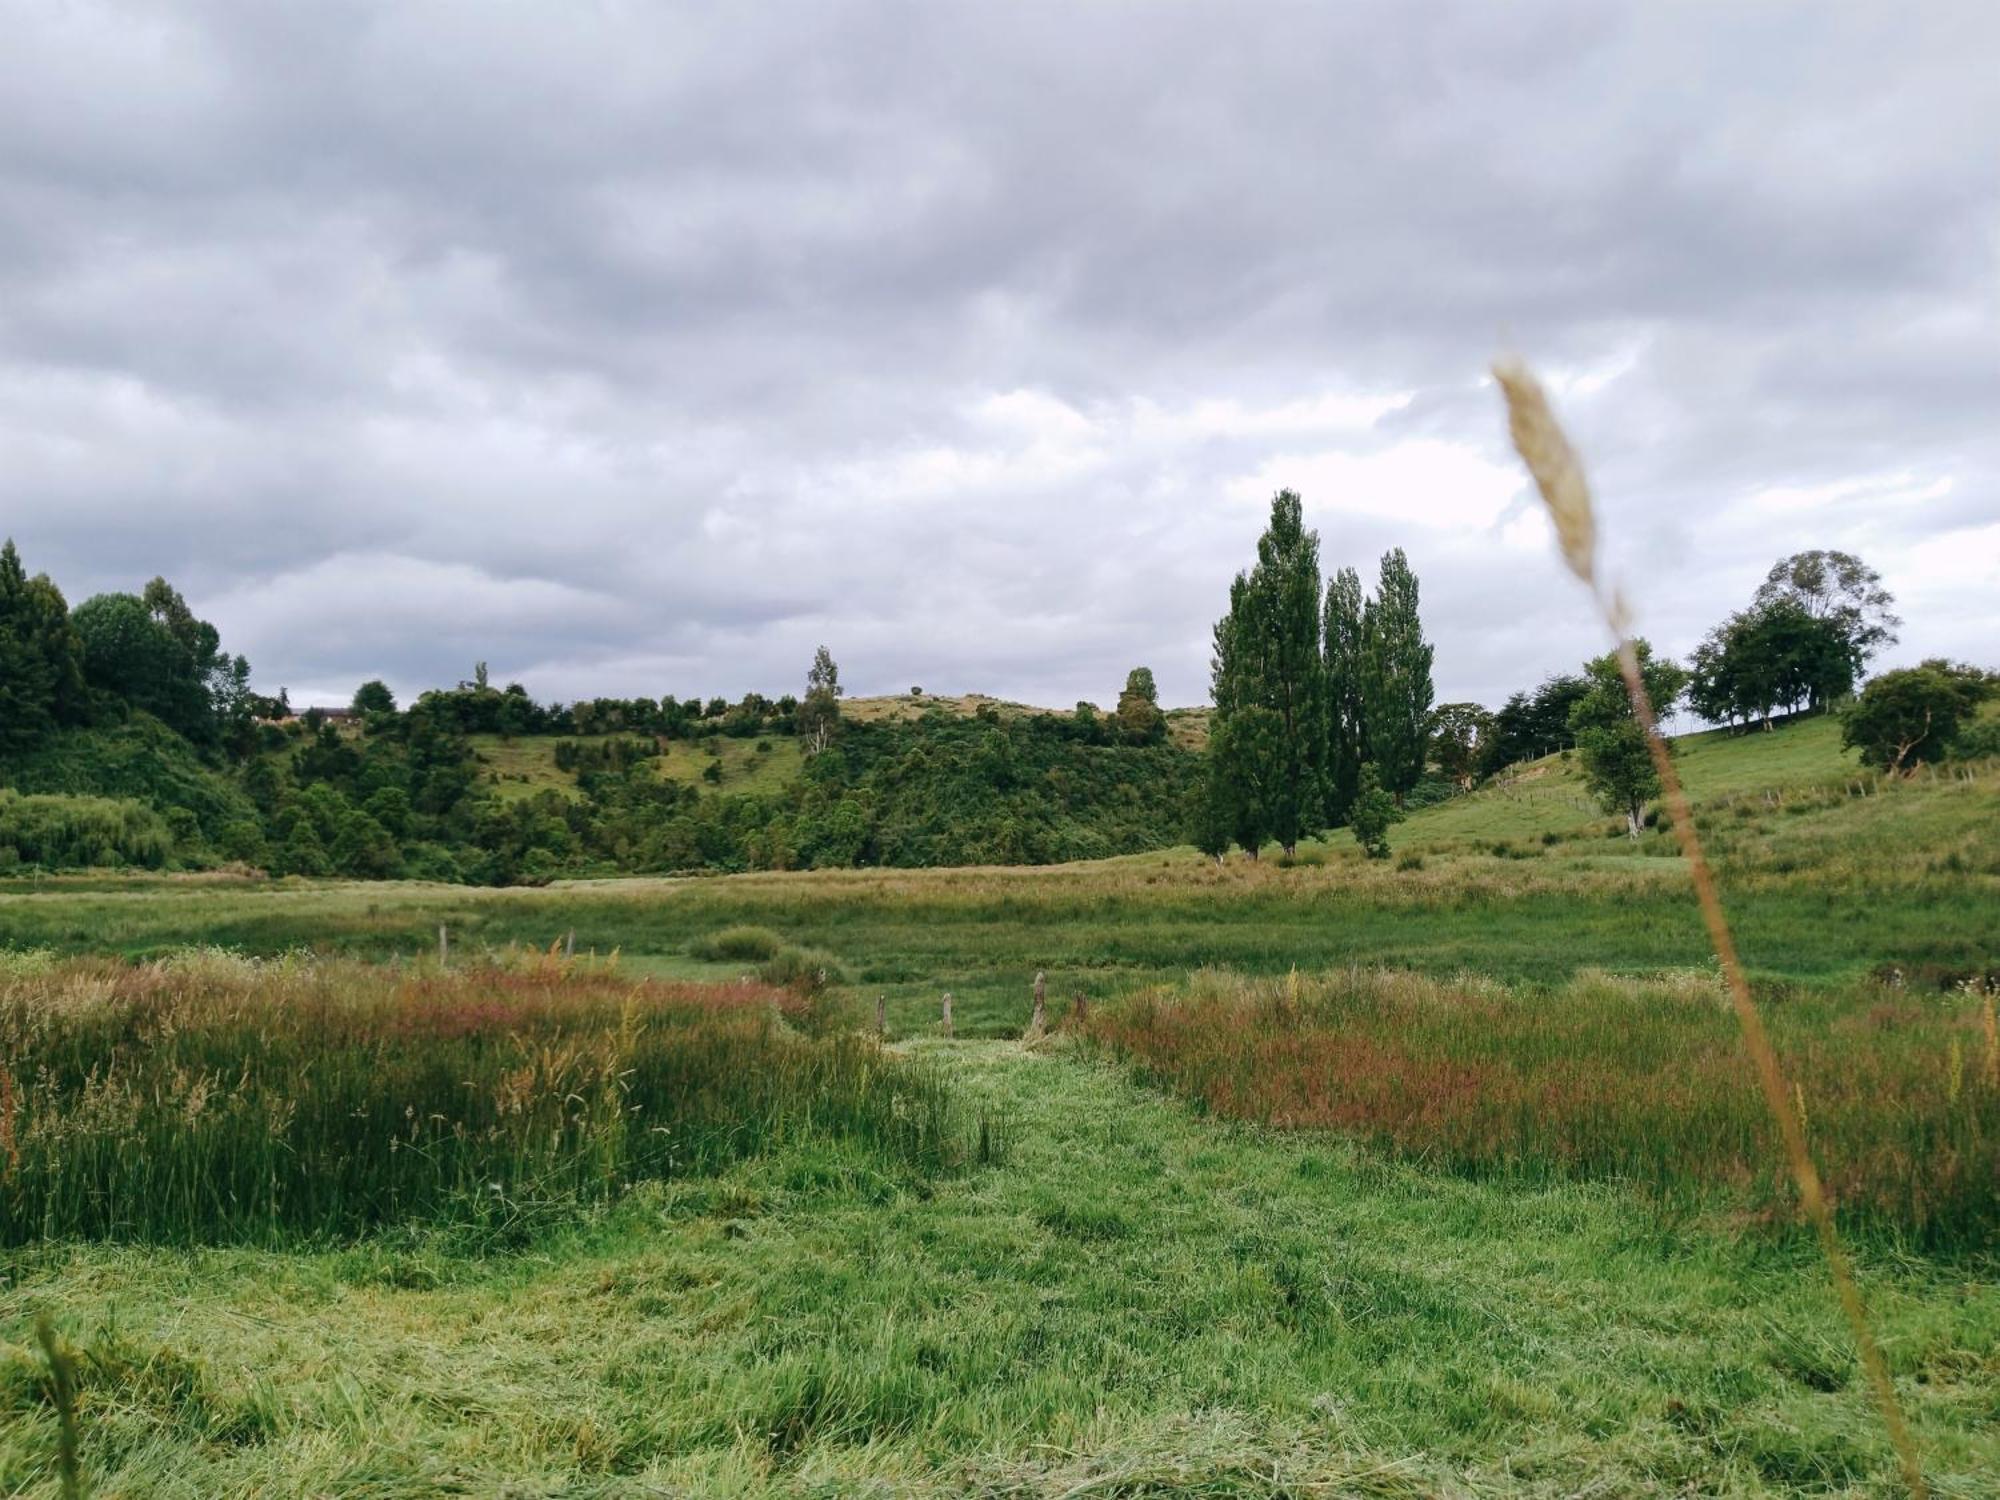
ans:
(374, 697)
(1458, 738)
(1842, 592)
(1209, 816)
(1373, 814)
(1617, 764)
(149, 652)
(63, 833)
(1903, 719)
(1138, 715)
(1396, 678)
(140, 760)
(1249, 765)
(1978, 740)
(1776, 655)
(1532, 724)
(966, 791)
(41, 657)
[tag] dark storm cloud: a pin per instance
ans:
(639, 349)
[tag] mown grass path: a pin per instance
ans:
(1138, 1301)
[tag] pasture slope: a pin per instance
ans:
(1125, 1291)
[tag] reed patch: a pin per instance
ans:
(211, 1098)
(1642, 1081)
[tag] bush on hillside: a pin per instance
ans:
(71, 833)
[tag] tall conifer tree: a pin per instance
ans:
(1346, 673)
(1397, 689)
(1267, 657)
(1287, 584)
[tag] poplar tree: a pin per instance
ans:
(1248, 768)
(1345, 673)
(1267, 657)
(1396, 689)
(1287, 583)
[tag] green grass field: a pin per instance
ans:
(1129, 1293)
(1138, 1302)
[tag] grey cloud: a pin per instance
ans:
(642, 349)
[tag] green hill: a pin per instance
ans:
(1546, 798)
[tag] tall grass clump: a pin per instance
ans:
(1643, 1081)
(741, 943)
(211, 1098)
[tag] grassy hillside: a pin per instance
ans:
(1547, 796)
(523, 765)
(141, 760)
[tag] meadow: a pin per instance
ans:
(1435, 1176)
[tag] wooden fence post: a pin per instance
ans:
(444, 947)
(947, 1012)
(881, 1015)
(1039, 1022)
(569, 946)
(1079, 1009)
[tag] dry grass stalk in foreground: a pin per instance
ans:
(1558, 474)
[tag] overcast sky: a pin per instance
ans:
(640, 349)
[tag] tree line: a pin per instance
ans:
(128, 737)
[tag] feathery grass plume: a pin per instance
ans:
(1551, 460)
(1553, 463)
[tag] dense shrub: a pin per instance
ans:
(66, 833)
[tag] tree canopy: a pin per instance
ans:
(41, 656)
(1905, 718)
(1138, 715)
(1617, 763)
